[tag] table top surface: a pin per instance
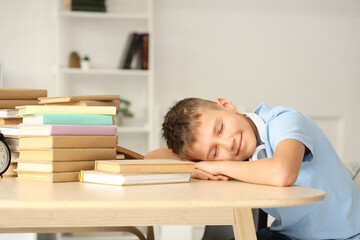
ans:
(17, 193)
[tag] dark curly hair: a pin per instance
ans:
(181, 121)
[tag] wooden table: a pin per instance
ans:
(32, 206)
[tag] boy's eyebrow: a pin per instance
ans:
(214, 133)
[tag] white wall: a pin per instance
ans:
(303, 54)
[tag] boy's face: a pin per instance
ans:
(223, 134)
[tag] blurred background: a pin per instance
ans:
(302, 54)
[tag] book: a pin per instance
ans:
(128, 153)
(8, 113)
(68, 99)
(10, 121)
(67, 154)
(132, 48)
(50, 177)
(114, 103)
(68, 119)
(144, 51)
(144, 166)
(9, 130)
(70, 130)
(11, 171)
(54, 167)
(33, 109)
(93, 176)
(12, 142)
(7, 104)
(22, 93)
(67, 142)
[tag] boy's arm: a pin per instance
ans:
(281, 170)
(166, 153)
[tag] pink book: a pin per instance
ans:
(75, 130)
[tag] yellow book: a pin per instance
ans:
(67, 99)
(67, 142)
(48, 109)
(115, 103)
(93, 176)
(68, 154)
(55, 167)
(144, 166)
(50, 177)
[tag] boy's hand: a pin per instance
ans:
(211, 167)
(200, 174)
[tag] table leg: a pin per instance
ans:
(244, 227)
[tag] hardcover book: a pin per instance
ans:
(67, 142)
(33, 109)
(68, 119)
(70, 130)
(145, 166)
(93, 176)
(13, 103)
(54, 167)
(22, 93)
(50, 177)
(10, 121)
(68, 99)
(67, 154)
(114, 103)
(8, 113)
(128, 153)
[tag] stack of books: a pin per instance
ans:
(135, 172)
(56, 142)
(9, 99)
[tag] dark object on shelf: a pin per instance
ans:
(132, 48)
(88, 5)
(74, 60)
(144, 51)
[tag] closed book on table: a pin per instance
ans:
(14, 103)
(128, 153)
(145, 166)
(11, 121)
(54, 167)
(67, 142)
(22, 93)
(8, 113)
(68, 99)
(114, 103)
(67, 154)
(93, 176)
(69, 119)
(33, 109)
(50, 177)
(61, 130)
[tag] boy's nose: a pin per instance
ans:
(228, 143)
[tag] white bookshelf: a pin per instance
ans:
(103, 37)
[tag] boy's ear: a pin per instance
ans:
(223, 102)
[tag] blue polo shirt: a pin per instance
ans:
(336, 217)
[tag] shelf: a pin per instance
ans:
(100, 71)
(125, 129)
(103, 15)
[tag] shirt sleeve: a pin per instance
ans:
(291, 124)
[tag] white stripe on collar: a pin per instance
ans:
(259, 123)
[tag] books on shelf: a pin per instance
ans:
(68, 119)
(88, 5)
(50, 177)
(72, 99)
(54, 167)
(70, 130)
(66, 154)
(137, 48)
(34, 142)
(33, 109)
(22, 93)
(93, 176)
(145, 166)
(6, 104)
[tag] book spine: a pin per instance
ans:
(75, 119)
(132, 49)
(145, 51)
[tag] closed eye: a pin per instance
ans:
(221, 128)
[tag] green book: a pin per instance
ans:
(68, 119)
